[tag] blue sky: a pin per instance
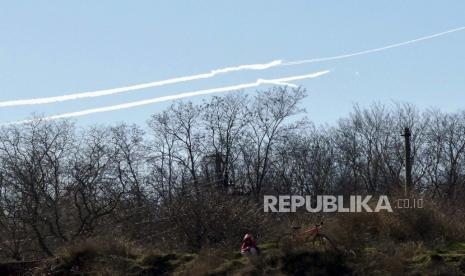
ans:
(51, 48)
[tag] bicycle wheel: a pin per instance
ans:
(323, 243)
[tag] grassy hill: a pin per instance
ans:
(120, 259)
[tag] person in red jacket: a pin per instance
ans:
(249, 245)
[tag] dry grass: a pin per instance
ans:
(403, 242)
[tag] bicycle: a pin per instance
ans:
(309, 235)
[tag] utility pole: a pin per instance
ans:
(408, 162)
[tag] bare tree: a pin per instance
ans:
(266, 127)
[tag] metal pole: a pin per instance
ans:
(408, 162)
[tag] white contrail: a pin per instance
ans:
(118, 90)
(211, 74)
(314, 60)
(258, 82)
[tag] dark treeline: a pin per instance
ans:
(174, 180)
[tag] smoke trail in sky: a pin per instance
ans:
(315, 60)
(212, 74)
(258, 82)
(118, 90)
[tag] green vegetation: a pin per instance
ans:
(382, 259)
